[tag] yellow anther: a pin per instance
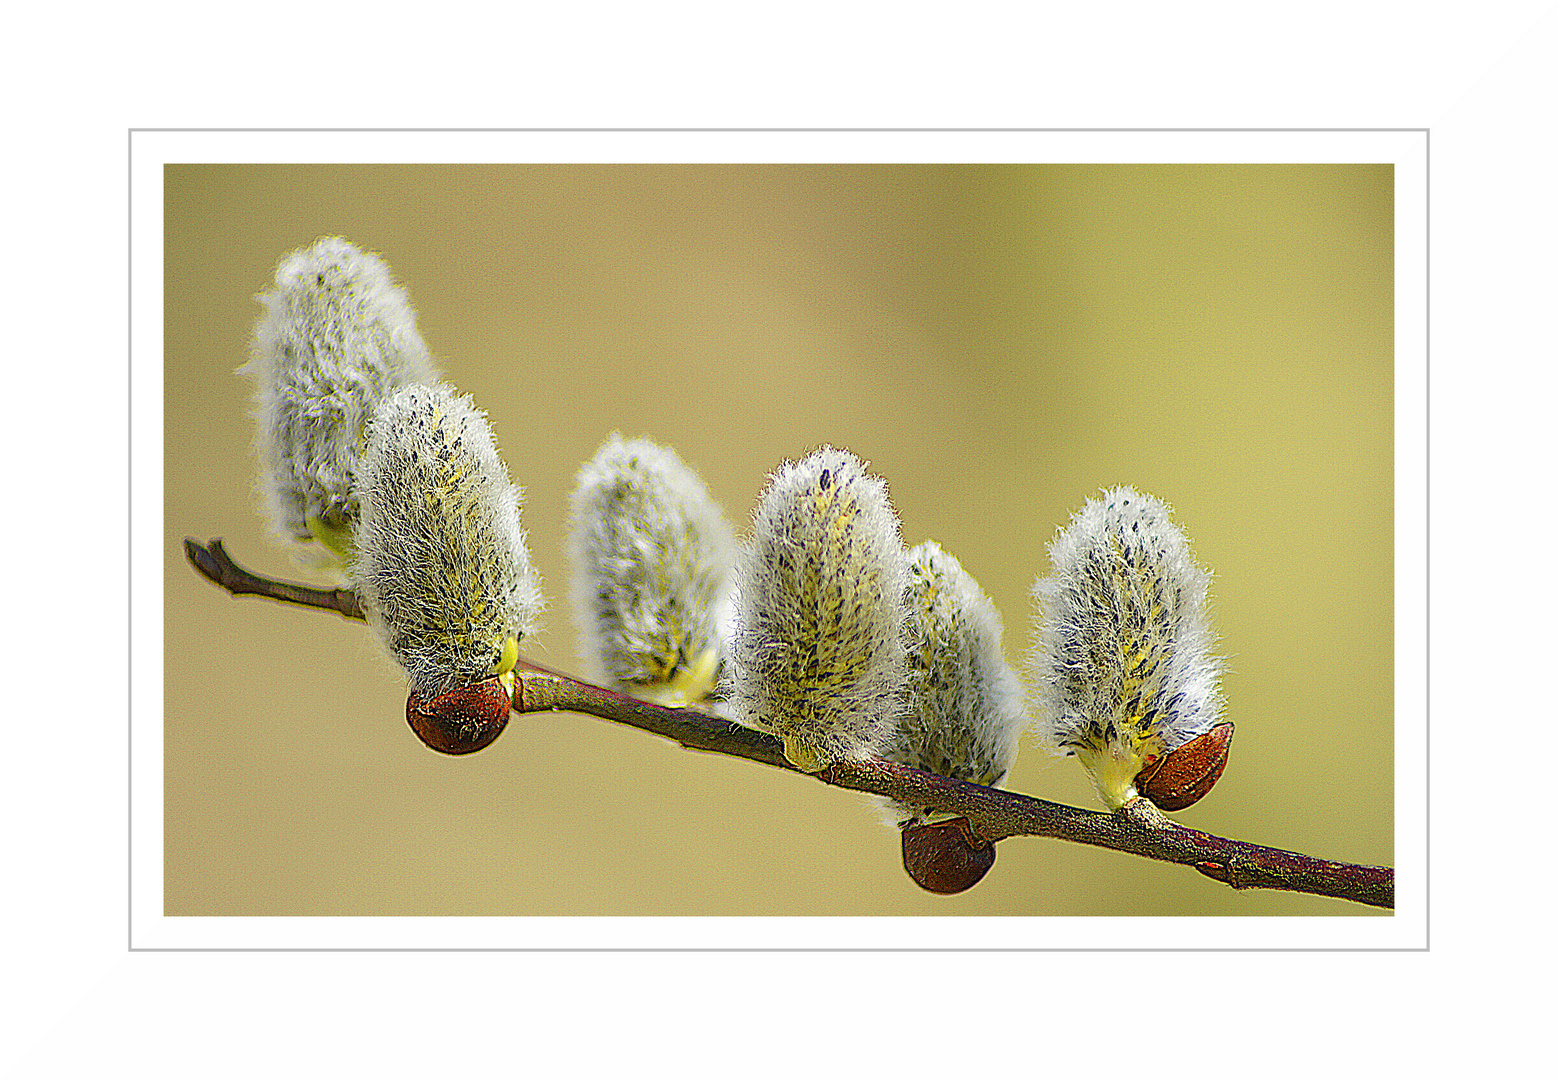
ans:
(509, 656)
(338, 541)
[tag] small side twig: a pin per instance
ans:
(215, 564)
(1137, 829)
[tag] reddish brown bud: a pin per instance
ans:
(461, 721)
(946, 857)
(1181, 778)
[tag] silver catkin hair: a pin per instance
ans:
(651, 556)
(336, 337)
(816, 656)
(442, 567)
(1122, 666)
(964, 707)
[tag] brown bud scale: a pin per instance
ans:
(1181, 778)
(947, 856)
(461, 721)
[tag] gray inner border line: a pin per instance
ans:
(130, 945)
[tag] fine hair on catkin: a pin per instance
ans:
(1122, 667)
(964, 706)
(442, 567)
(816, 656)
(336, 337)
(651, 555)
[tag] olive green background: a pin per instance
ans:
(999, 342)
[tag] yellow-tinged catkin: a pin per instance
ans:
(816, 656)
(964, 705)
(1122, 666)
(442, 567)
(651, 555)
(336, 338)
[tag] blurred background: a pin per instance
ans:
(999, 342)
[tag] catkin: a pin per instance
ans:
(651, 555)
(816, 656)
(337, 336)
(442, 567)
(964, 706)
(1122, 665)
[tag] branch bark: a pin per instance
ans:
(1139, 828)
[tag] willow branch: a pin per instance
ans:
(1137, 829)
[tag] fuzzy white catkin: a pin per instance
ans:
(816, 656)
(965, 705)
(1122, 664)
(651, 555)
(337, 336)
(442, 567)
